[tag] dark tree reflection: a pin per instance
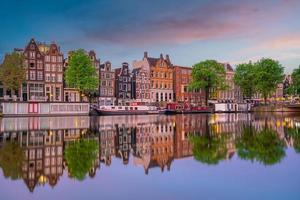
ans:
(11, 158)
(294, 134)
(209, 149)
(80, 156)
(263, 146)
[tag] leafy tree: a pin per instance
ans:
(269, 73)
(244, 77)
(209, 149)
(208, 75)
(81, 74)
(11, 158)
(264, 147)
(80, 157)
(294, 88)
(12, 71)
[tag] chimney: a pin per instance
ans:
(145, 54)
(125, 64)
(161, 56)
(167, 58)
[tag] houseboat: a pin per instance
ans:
(127, 110)
(12, 109)
(232, 107)
(176, 108)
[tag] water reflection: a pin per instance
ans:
(40, 149)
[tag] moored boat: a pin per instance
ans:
(127, 110)
(175, 108)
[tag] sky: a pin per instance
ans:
(190, 31)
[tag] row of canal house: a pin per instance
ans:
(149, 80)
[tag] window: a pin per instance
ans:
(39, 76)
(32, 75)
(53, 67)
(31, 65)
(53, 58)
(57, 93)
(32, 54)
(59, 68)
(48, 77)
(47, 67)
(53, 77)
(59, 78)
(47, 58)
(39, 64)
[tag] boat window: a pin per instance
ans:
(136, 108)
(112, 107)
(120, 107)
(131, 108)
(126, 108)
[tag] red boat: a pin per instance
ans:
(176, 108)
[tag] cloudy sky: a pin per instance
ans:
(188, 30)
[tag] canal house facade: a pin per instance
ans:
(107, 85)
(123, 84)
(34, 90)
(161, 77)
(182, 79)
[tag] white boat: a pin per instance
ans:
(127, 110)
(232, 107)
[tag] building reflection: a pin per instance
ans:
(149, 142)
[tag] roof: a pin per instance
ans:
(228, 67)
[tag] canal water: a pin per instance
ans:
(204, 156)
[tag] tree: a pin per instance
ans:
(209, 149)
(244, 77)
(208, 75)
(264, 147)
(11, 158)
(294, 134)
(81, 74)
(80, 157)
(12, 71)
(269, 73)
(294, 88)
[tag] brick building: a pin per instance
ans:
(182, 78)
(53, 72)
(123, 84)
(35, 78)
(107, 85)
(141, 85)
(161, 77)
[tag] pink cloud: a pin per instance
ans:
(223, 20)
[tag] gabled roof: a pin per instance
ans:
(32, 42)
(228, 67)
